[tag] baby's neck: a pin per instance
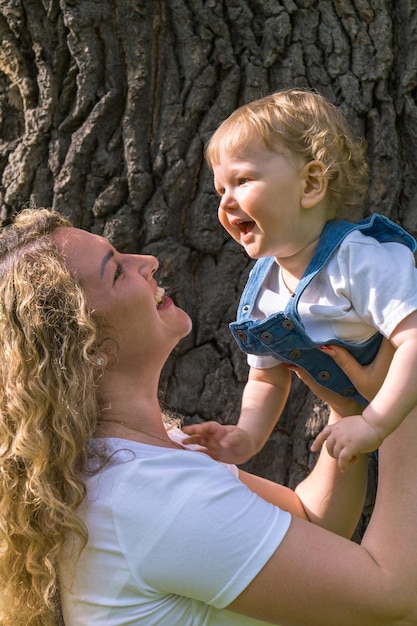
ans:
(293, 267)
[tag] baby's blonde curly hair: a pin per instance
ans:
(310, 126)
(48, 411)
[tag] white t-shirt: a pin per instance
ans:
(366, 287)
(174, 537)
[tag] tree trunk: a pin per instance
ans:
(105, 107)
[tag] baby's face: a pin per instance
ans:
(262, 199)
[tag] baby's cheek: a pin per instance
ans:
(234, 232)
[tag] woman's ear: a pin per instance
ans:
(314, 184)
(105, 353)
(100, 360)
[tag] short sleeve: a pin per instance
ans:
(381, 280)
(189, 527)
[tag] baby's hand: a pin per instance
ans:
(226, 443)
(348, 438)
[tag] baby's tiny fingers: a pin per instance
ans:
(320, 439)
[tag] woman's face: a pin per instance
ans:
(122, 290)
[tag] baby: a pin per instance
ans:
(292, 180)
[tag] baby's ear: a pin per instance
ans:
(315, 184)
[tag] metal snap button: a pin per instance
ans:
(245, 308)
(295, 354)
(242, 335)
(267, 337)
(323, 375)
(288, 325)
(350, 391)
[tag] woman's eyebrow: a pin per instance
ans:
(104, 262)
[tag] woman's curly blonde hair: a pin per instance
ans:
(48, 411)
(310, 126)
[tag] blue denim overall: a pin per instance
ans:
(282, 334)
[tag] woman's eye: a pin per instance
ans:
(118, 273)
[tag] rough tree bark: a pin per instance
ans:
(105, 106)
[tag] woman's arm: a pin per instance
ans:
(326, 497)
(320, 579)
(283, 497)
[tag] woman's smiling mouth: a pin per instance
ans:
(159, 296)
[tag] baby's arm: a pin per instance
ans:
(398, 393)
(263, 400)
(395, 399)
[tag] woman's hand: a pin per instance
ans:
(348, 438)
(366, 378)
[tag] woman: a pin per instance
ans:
(144, 530)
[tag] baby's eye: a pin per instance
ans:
(242, 181)
(119, 272)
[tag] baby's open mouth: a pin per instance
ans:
(245, 227)
(159, 296)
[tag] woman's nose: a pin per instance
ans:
(148, 265)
